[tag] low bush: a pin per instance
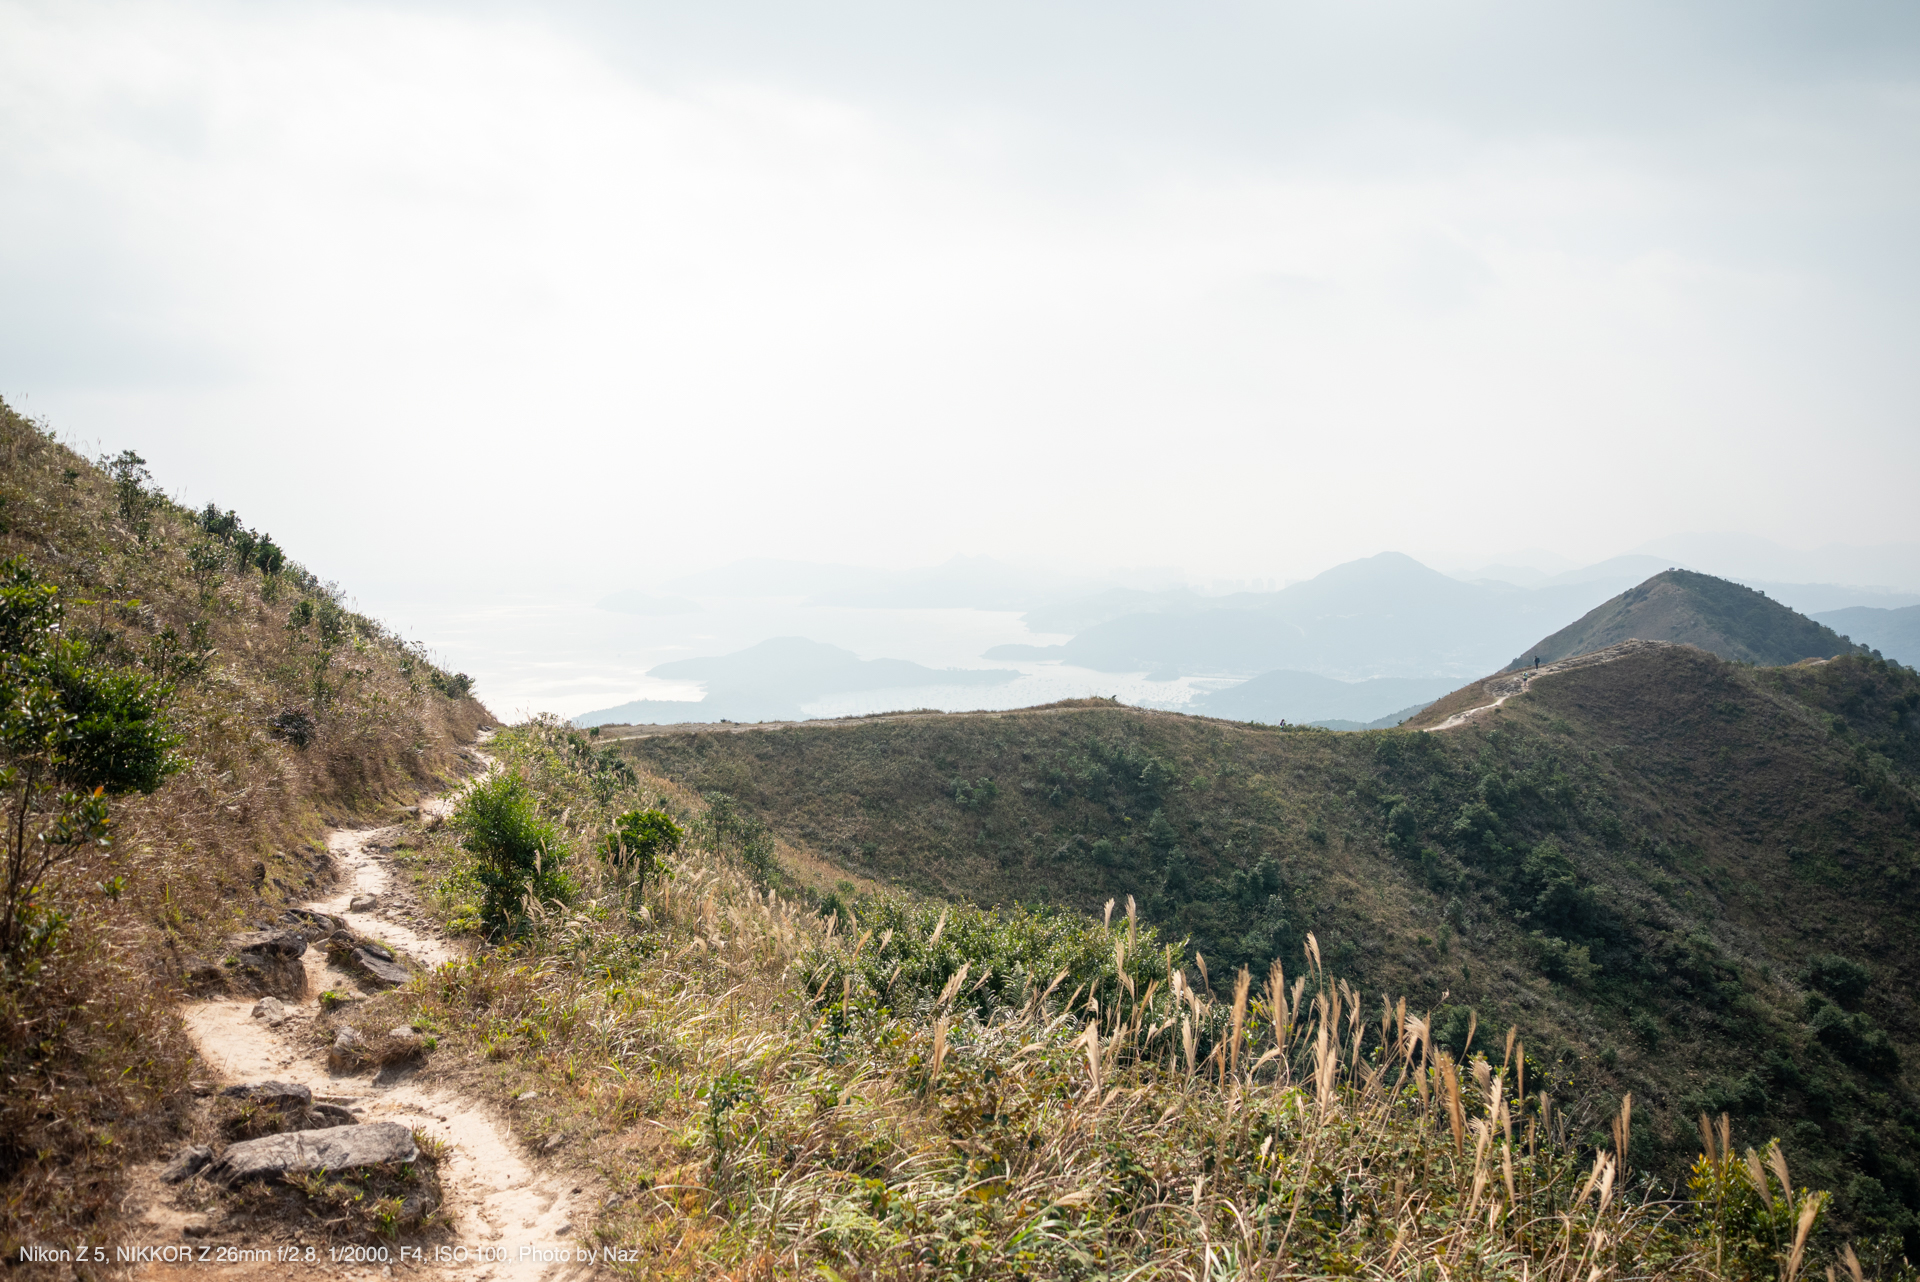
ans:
(517, 853)
(640, 842)
(1840, 978)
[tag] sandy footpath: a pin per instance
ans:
(508, 1217)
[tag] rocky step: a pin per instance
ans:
(269, 961)
(310, 925)
(334, 1148)
(373, 962)
(274, 1094)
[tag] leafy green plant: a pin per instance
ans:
(1840, 978)
(913, 951)
(128, 472)
(204, 561)
(727, 1092)
(978, 795)
(1748, 1210)
(518, 853)
(640, 841)
(72, 733)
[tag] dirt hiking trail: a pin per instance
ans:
(494, 1201)
(1506, 685)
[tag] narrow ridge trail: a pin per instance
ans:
(1504, 686)
(495, 1201)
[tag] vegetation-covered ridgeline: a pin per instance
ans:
(905, 1089)
(1680, 877)
(182, 709)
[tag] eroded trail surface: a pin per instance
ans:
(507, 1217)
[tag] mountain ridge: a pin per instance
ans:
(1717, 615)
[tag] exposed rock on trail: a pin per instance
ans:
(277, 1094)
(372, 963)
(337, 1148)
(269, 961)
(272, 1011)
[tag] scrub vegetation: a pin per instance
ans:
(1683, 878)
(182, 709)
(880, 1086)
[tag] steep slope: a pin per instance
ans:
(1678, 876)
(277, 711)
(1717, 615)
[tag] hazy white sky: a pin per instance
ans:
(578, 295)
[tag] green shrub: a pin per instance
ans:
(517, 853)
(1844, 980)
(640, 841)
(978, 795)
(1558, 959)
(1856, 1039)
(72, 733)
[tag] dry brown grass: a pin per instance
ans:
(96, 1062)
(751, 1126)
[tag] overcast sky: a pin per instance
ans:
(578, 294)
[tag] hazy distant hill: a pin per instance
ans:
(1302, 697)
(1385, 616)
(1717, 615)
(1894, 633)
(770, 681)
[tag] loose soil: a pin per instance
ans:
(495, 1201)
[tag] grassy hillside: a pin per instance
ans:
(924, 1090)
(256, 709)
(1678, 876)
(1718, 616)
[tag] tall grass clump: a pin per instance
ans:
(881, 1088)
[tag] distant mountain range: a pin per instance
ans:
(1716, 615)
(1385, 616)
(1365, 643)
(1894, 633)
(1305, 698)
(769, 682)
